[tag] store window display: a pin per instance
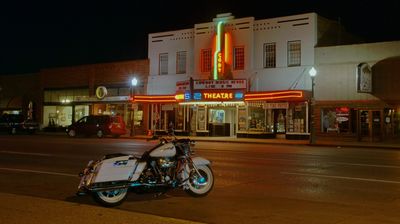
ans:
(335, 120)
(257, 119)
(296, 118)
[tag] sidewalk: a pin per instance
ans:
(323, 141)
(320, 141)
(18, 209)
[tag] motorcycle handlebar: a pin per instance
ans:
(165, 140)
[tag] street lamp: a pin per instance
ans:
(312, 74)
(134, 83)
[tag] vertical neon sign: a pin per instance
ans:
(218, 60)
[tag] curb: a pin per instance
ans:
(392, 146)
(36, 210)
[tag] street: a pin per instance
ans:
(254, 183)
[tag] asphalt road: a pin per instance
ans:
(254, 183)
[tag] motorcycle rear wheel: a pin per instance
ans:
(200, 186)
(110, 198)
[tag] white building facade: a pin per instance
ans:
(356, 91)
(235, 76)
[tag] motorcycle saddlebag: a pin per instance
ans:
(115, 169)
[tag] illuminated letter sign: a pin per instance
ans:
(218, 96)
(187, 96)
(218, 54)
(197, 96)
(219, 60)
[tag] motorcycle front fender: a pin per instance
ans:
(200, 161)
(197, 161)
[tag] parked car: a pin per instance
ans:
(15, 123)
(99, 125)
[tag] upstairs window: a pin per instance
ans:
(181, 62)
(294, 53)
(238, 58)
(270, 55)
(163, 63)
(205, 60)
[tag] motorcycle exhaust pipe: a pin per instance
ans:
(116, 187)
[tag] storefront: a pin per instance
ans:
(358, 121)
(63, 107)
(223, 108)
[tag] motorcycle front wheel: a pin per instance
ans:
(200, 185)
(110, 198)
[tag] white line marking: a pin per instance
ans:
(38, 172)
(27, 153)
(342, 177)
(368, 165)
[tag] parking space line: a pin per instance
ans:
(38, 172)
(27, 153)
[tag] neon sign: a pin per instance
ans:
(218, 54)
(218, 96)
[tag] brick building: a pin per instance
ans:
(69, 93)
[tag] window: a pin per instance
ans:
(269, 55)
(242, 116)
(238, 58)
(335, 119)
(294, 53)
(216, 116)
(64, 96)
(205, 60)
(181, 62)
(164, 64)
(256, 119)
(296, 118)
(57, 116)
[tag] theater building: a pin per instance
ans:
(237, 77)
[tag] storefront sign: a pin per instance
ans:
(219, 84)
(169, 107)
(101, 92)
(182, 86)
(342, 114)
(276, 105)
(218, 96)
(105, 99)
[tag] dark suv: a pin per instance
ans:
(14, 123)
(98, 125)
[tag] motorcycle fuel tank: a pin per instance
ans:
(166, 150)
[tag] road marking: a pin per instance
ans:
(38, 172)
(342, 177)
(27, 153)
(368, 165)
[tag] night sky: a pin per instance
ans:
(45, 34)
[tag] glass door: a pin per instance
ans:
(279, 121)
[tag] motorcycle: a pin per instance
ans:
(168, 165)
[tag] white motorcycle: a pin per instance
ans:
(167, 166)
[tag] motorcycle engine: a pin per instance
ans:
(166, 162)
